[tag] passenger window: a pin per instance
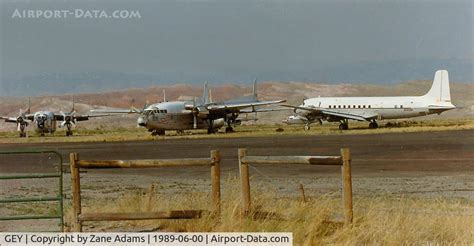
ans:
(395, 106)
(329, 106)
(344, 106)
(339, 106)
(354, 106)
(401, 106)
(363, 106)
(369, 106)
(358, 106)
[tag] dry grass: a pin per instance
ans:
(380, 219)
(134, 134)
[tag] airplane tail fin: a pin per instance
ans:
(205, 94)
(255, 88)
(440, 88)
(28, 111)
(73, 105)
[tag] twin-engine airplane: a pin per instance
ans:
(196, 114)
(371, 109)
(45, 121)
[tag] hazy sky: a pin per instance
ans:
(196, 38)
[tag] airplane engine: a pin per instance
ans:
(218, 123)
(293, 120)
(202, 112)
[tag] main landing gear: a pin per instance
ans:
(373, 125)
(344, 125)
(158, 132)
(229, 127)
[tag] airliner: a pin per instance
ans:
(45, 121)
(371, 109)
(201, 114)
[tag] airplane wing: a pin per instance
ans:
(86, 117)
(362, 116)
(117, 111)
(260, 110)
(75, 117)
(15, 119)
(238, 106)
(9, 119)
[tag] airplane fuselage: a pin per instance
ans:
(44, 122)
(383, 107)
(172, 116)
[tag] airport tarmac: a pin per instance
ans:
(422, 153)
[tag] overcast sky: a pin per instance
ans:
(191, 38)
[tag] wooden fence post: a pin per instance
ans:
(303, 196)
(347, 185)
(245, 182)
(151, 194)
(216, 180)
(76, 192)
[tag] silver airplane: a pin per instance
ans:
(196, 114)
(371, 109)
(45, 121)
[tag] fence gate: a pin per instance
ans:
(79, 217)
(58, 197)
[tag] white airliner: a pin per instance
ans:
(371, 109)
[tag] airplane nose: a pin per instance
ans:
(141, 121)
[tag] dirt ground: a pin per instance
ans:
(425, 164)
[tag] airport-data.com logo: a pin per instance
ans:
(75, 14)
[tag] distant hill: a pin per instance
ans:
(384, 73)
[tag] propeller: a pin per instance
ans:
(68, 119)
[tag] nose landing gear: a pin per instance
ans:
(69, 129)
(307, 127)
(210, 129)
(22, 131)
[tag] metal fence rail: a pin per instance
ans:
(57, 198)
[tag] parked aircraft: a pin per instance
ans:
(342, 109)
(196, 114)
(45, 121)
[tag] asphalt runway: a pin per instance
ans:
(422, 153)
